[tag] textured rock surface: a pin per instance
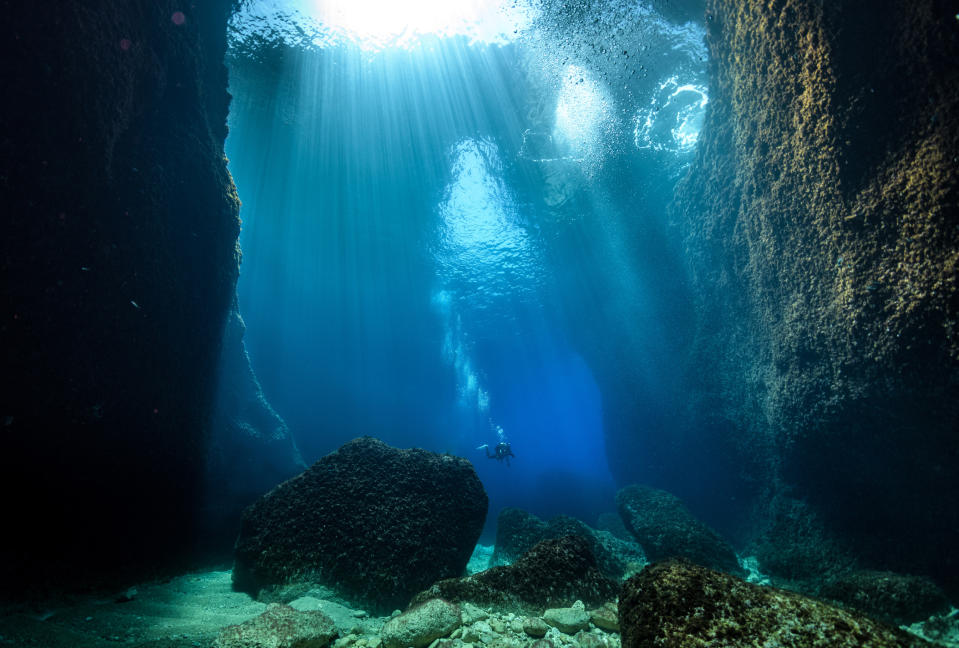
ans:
(897, 599)
(797, 549)
(251, 448)
(377, 523)
(279, 627)
(665, 528)
(518, 531)
(421, 625)
(118, 264)
(680, 605)
(819, 227)
(553, 573)
(605, 617)
(568, 619)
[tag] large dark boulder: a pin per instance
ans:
(897, 599)
(118, 264)
(518, 531)
(554, 573)
(665, 528)
(377, 523)
(676, 604)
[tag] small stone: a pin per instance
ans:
(497, 626)
(127, 596)
(516, 625)
(472, 613)
(568, 620)
(535, 627)
(478, 632)
(605, 617)
(590, 640)
(344, 642)
(361, 614)
(542, 643)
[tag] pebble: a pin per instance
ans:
(535, 627)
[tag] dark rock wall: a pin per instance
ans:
(251, 449)
(118, 263)
(822, 234)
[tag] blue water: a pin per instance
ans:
(416, 212)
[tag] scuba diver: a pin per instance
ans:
(500, 452)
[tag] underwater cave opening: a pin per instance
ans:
(450, 225)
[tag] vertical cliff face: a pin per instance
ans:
(118, 261)
(822, 233)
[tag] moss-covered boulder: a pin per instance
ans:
(665, 528)
(554, 573)
(680, 605)
(377, 523)
(518, 531)
(899, 599)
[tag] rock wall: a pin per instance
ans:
(251, 449)
(118, 263)
(821, 230)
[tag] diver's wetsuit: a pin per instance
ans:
(502, 451)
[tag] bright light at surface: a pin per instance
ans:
(673, 119)
(382, 23)
(582, 113)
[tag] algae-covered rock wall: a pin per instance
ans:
(821, 229)
(118, 263)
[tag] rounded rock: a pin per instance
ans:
(420, 626)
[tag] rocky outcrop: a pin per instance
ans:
(251, 449)
(554, 573)
(665, 528)
(677, 604)
(118, 264)
(377, 523)
(818, 222)
(518, 531)
(897, 599)
(796, 549)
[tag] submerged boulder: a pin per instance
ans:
(554, 573)
(676, 604)
(894, 598)
(279, 627)
(377, 523)
(665, 528)
(518, 531)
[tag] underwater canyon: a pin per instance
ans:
(709, 248)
